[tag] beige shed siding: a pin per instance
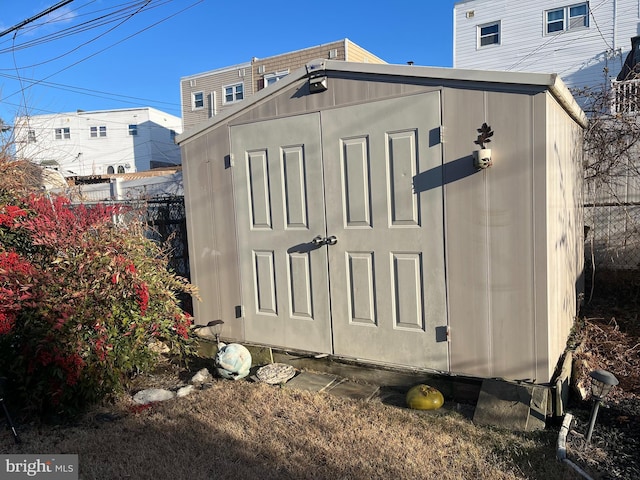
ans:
(467, 250)
(212, 239)
(489, 221)
(510, 306)
(510, 229)
(564, 226)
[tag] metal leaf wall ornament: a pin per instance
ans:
(485, 134)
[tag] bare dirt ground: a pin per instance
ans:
(609, 334)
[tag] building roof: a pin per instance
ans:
(80, 112)
(458, 77)
(345, 41)
(216, 70)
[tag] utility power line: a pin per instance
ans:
(35, 17)
(117, 13)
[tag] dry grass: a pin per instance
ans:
(247, 430)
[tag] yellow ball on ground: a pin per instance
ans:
(424, 397)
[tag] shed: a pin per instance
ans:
(340, 211)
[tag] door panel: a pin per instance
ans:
(387, 268)
(355, 179)
(362, 307)
(280, 209)
(378, 293)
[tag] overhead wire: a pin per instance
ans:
(64, 17)
(43, 82)
(126, 18)
(122, 14)
(94, 93)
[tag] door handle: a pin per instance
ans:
(332, 240)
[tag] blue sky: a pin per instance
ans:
(108, 54)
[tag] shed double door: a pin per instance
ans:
(340, 228)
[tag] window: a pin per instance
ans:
(63, 133)
(98, 131)
(567, 18)
(110, 170)
(31, 136)
(489, 34)
(198, 100)
(133, 130)
(121, 169)
(579, 16)
(233, 93)
(272, 78)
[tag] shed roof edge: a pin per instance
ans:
(550, 81)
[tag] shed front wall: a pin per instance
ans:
(514, 260)
(495, 221)
(489, 218)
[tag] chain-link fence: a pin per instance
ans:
(612, 251)
(612, 236)
(166, 224)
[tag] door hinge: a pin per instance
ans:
(441, 133)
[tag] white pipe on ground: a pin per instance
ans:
(561, 451)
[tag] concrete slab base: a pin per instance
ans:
(353, 390)
(510, 405)
(312, 382)
(321, 382)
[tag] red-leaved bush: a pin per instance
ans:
(81, 301)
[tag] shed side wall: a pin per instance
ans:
(565, 226)
(212, 235)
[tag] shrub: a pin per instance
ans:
(81, 300)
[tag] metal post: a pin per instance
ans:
(10, 424)
(592, 421)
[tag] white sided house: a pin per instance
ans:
(100, 142)
(594, 46)
(351, 209)
(586, 42)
